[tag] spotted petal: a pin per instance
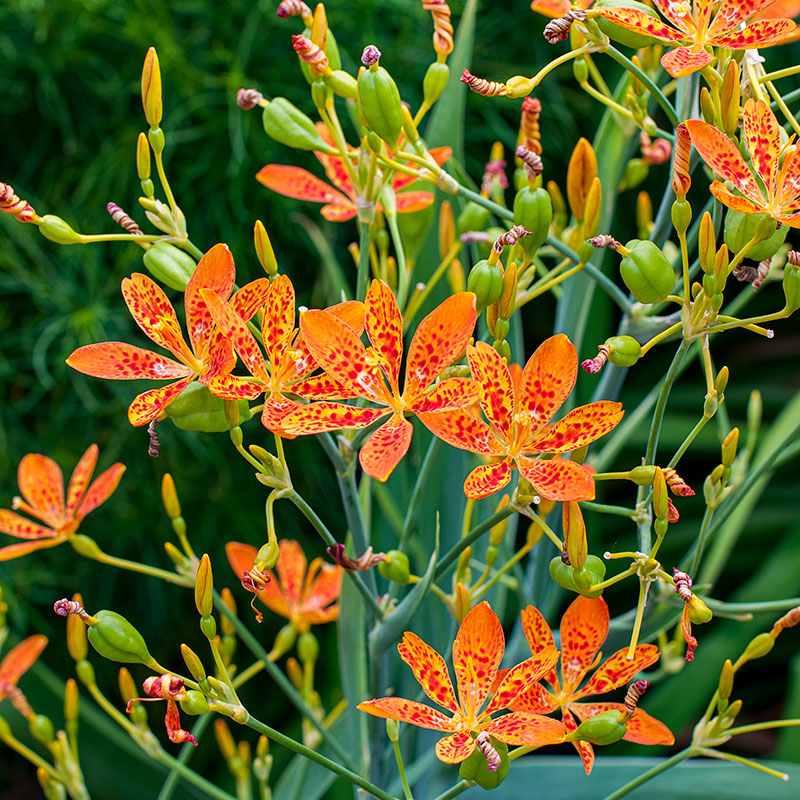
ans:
(80, 478)
(558, 479)
(383, 450)
(319, 387)
(686, 60)
(276, 409)
(19, 659)
(787, 190)
(732, 13)
(429, 670)
(291, 569)
(454, 749)
(323, 587)
(584, 628)
(585, 750)
(214, 273)
(736, 201)
(440, 338)
(535, 700)
(13, 551)
(247, 300)
(41, 483)
(539, 636)
(103, 486)
(551, 8)
(580, 427)
(241, 558)
(639, 22)
(618, 670)
(21, 527)
(338, 212)
(148, 405)
(676, 12)
(278, 323)
(641, 728)
(761, 33)
(300, 184)
(149, 306)
(407, 711)
(124, 362)
(325, 416)
(477, 651)
(719, 152)
(763, 138)
(413, 200)
(234, 387)
(385, 329)
(464, 429)
(490, 371)
(520, 678)
(487, 479)
(529, 730)
(449, 395)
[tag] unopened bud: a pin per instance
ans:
(142, 158)
(726, 680)
(170, 497)
(204, 587)
(729, 448)
(151, 89)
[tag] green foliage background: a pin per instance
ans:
(71, 112)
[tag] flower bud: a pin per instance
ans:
(758, 647)
(193, 663)
(463, 603)
(575, 535)
(284, 641)
(71, 700)
(225, 742)
(151, 89)
(307, 648)
(170, 497)
(76, 634)
(204, 587)
(730, 98)
(581, 172)
(142, 158)
(660, 496)
(726, 680)
(85, 672)
(729, 448)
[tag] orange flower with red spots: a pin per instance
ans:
(519, 408)
(41, 484)
(557, 8)
(340, 203)
(584, 628)
(16, 663)
(693, 23)
(210, 354)
(776, 191)
(374, 373)
(288, 364)
(304, 593)
(477, 653)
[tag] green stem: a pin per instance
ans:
(711, 753)
(402, 272)
(187, 751)
(616, 579)
(416, 493)
(162, 176)
(318, 758)
(143, 569)
(763, 726)
(651, 773)
(701, 540)
(92, 238)
(35, 759)
(762, 607)
(362, 276)
(602, 508)
(693, 434)
(401, 769)
(455, 791)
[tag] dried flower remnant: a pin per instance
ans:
(310, 53)
(477, 652)
(370, 56)
(531, 161)
(21, 210)
(676, 484)
(655, 152)
(530, 133)
(41, 485)
(754, 275)
(483, 86)
(123, 220)
(683, 588)
(170, 688)
(248, 99)
(294, 8)
(367, 560)
(442, 27)
(594, 365)
(558, 30)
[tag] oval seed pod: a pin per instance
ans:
(116, 639)
(435, 82)
(287, 124)
(196, 409)
(169, 265)
(601, 729)
(646, 271)
(533, 209)
(488, 764)
(56, 230)
(379, 101)
(791, 282)
(485, 281)
(624, 351)
(740, 229)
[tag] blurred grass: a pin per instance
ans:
(69, 99)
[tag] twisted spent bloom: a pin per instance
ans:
(477, 652)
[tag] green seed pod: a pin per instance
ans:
(646, 271)
(485, 281)
(208, 626)
(642, 476)
(503, 349)
(583, 579)
(268, 555)
(195, 703)
(660, 526)
(284, 641)
(85, 672)
(791, 288)
(472, 218)
(601, 729)
(625, 351)
(476, 767)
(563, 574)
(681, 216)
(435, 82)
(343, 84)
(740, 228)
(85, 546)
(636, 170)
(534, 210)
(759, 647)
(287, 124)
(501, 329)
(397, 568)
(580, 69)
(307, 648)
(196, 409)
(379, 101)
(114, 638)
(56, 230)
(622, 35)
(41, 729)
(699, 612)
(169, 264)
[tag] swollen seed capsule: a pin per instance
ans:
(740, 229)
(379, 100)
(169, 264)
(114, 638)
(646, 271)
(287, 124)
(41, 729)
(397, 568)
(602, 729)
(435, 82)
(759, 647)
(625, 351)
(485, 281)
(195, 703)
(56, 230)
(533, 209)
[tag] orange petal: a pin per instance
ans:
(585, 750)
(732, 13)
(558, 479)
(234, 387)
(235, 328)
(320, 616)
(338, 212)
(551, 8)
(685, 60)
(736, 201)
(276, 409)
(722, 155)
(148, 405)
(123, 362)
(319, 387)
(539, 636)
(19, 659)
(429, 670)
(351, 312)
(291, 569)
(324, 589)
(383, 450)
(440, 338)
(250, 298)
(788, 184)
(41, 483)
(489, 368)
(335, 167)
(454, 749)
(278, 324)
(584, 628)
(80, 478)
(241, 558)
(763, 139)
(520, 678)
(642, 728)
(675, 12)
(15, 525)
(464, 429)
(477, 653)
(325, 416)
(12, 551)
(487, 479)
(617, 670)
(385, 329)
(535, 700)
(149, 306)
(103, 486)
(530, 730)
(214, 273)
(414, 200)
(638, 21)
(300, 184)
(580, 427)
(547, 380)
(220, 358)
(339, 351)
(761, 33)
(407, 711)
(449, 395)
